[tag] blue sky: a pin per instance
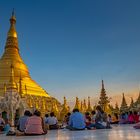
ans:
(69, 46)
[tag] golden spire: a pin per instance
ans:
(116, 106)
(36, 103)
(12, 31)
(132, 101)
(20, 86)
(116, 109)
(103, 85)
(30, 102)
(65, 101)
(65, 106)
(65, 109)
(132, 106)
(85, 105)
(77, 104)
(81, 107)
(89, 106)
(124, 106)
(43, 104)
(138, 101)
(55, 108)
(12, 84)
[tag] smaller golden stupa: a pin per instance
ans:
(65, 109)
(77, 104)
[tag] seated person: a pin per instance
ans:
(35, 125)
(22, 121)
(123, 119)
(93, 116)
(131, 118)
(46, 117)
(52, 121)
(101, 119)
(66, 120)
(91, 121)
(115, 119)
(87, 119)
(2, 123)
(76, 121)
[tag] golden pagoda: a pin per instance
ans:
(22, 77)
(65, 109)
(12, 56)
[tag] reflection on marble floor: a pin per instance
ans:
(125, 132)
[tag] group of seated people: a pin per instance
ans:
(129, 117)
(95, 120)
(34, 124)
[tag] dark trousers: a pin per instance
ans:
(74, 129)
(96, 125)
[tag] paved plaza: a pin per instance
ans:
(125, 132)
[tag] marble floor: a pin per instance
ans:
(125, 132)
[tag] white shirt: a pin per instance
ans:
(51, 120)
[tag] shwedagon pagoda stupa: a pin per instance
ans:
(14, 74)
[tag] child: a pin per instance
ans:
(93, 116)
